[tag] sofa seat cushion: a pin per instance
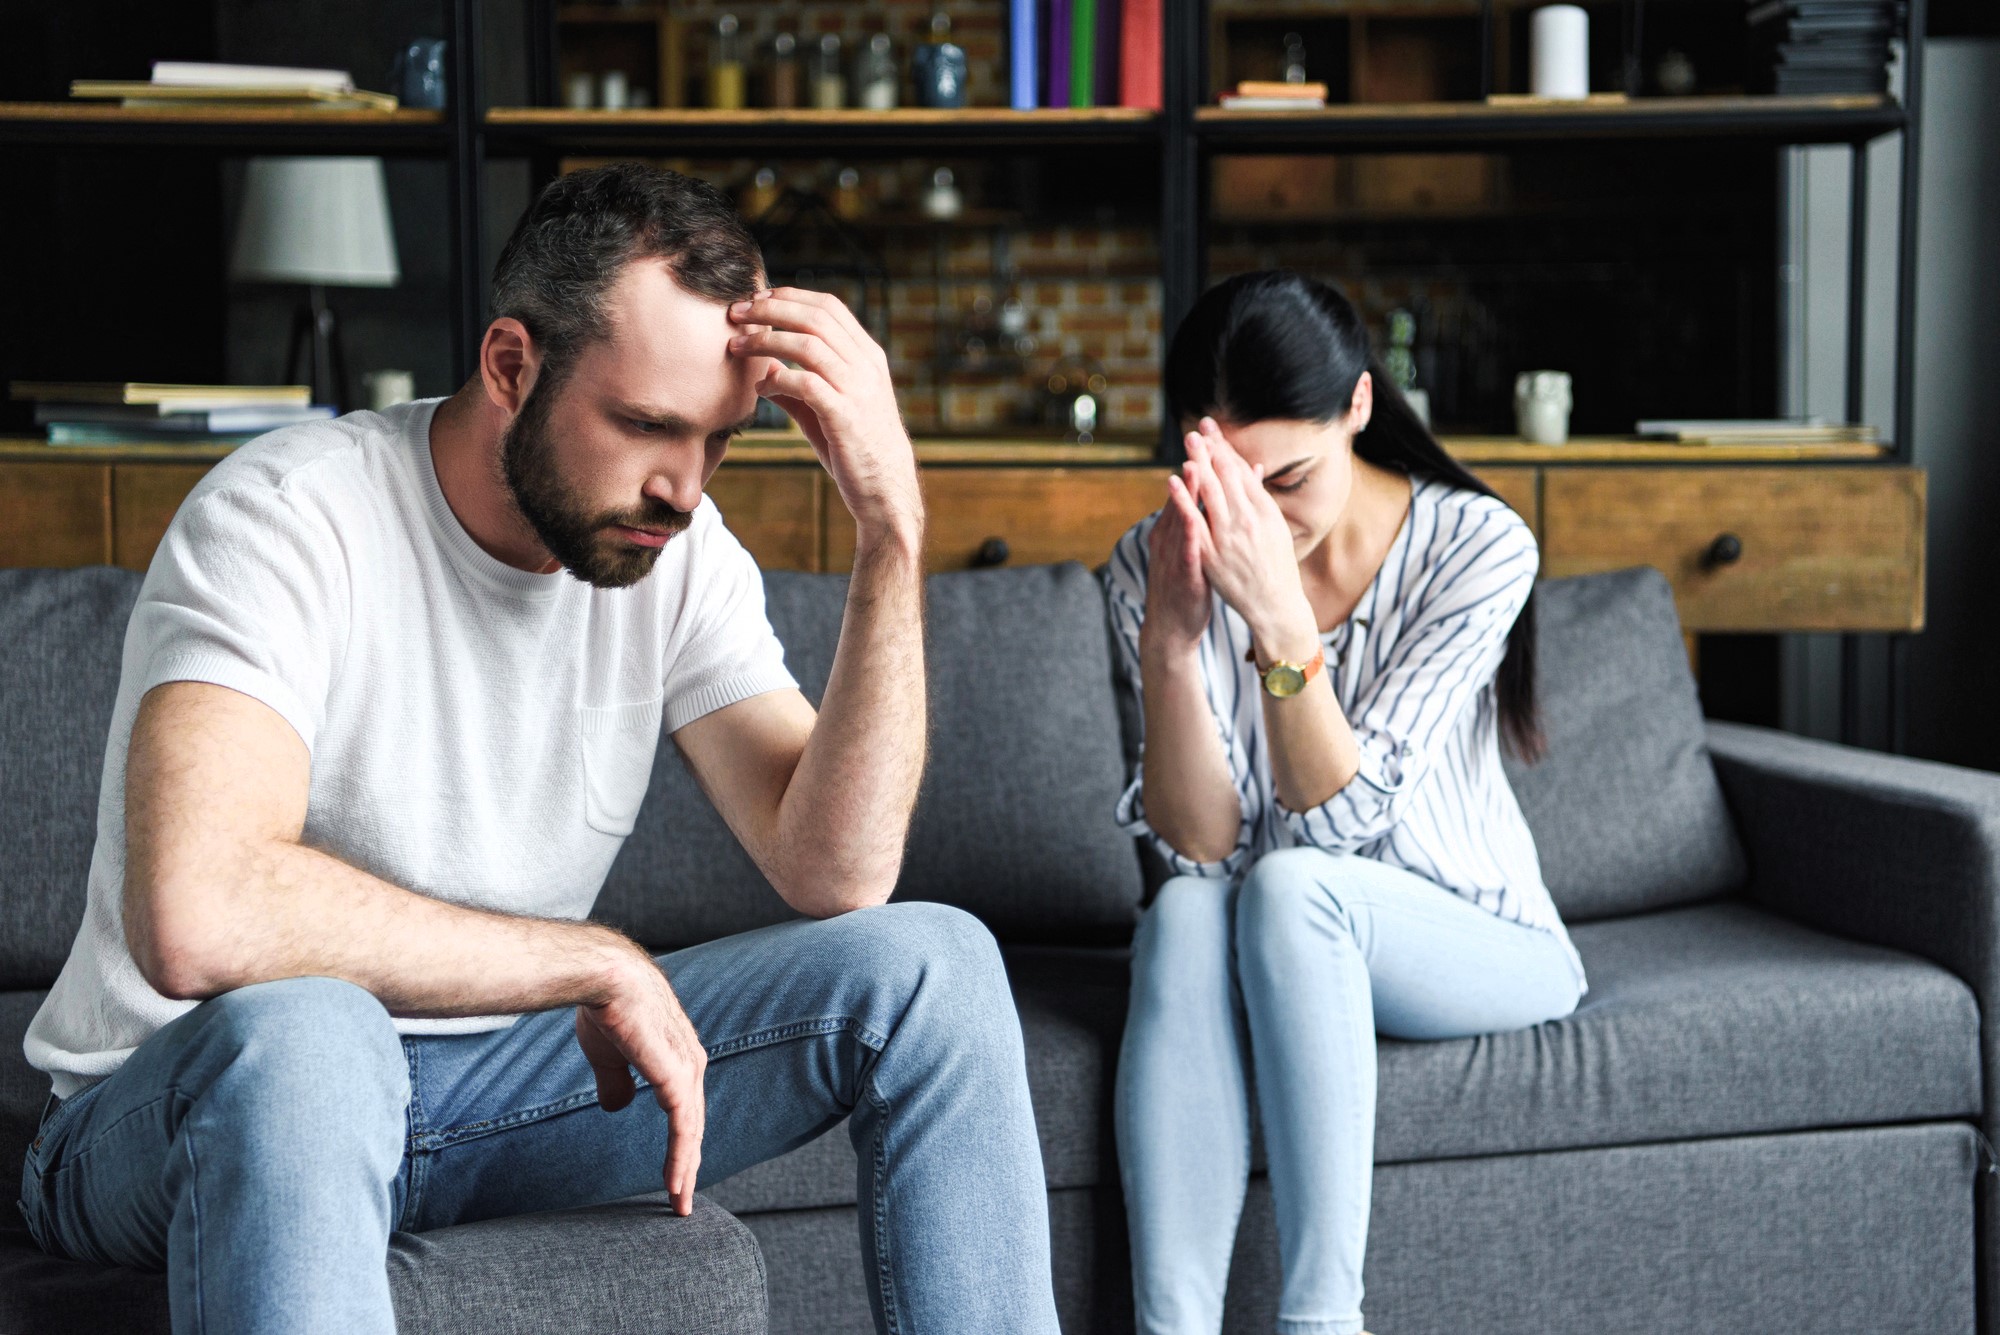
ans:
(631, 1265)
(1714, 1020)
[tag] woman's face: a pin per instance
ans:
(1308, 466)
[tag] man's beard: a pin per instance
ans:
(575, 537)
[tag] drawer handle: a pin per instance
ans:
(1724, 551)
(992, 552)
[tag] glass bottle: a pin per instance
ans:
(725, 66)
(1295, 58)
(784, 87)
(829, 85)
(875, 74)
(939, 66)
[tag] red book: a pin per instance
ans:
(1140, 65)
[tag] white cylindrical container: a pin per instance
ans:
(1559, 52)
(1541, 406)
(581, 92)
(386, 389)
(612, 86)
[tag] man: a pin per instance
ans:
(390, 700)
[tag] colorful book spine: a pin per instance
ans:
(1083, 53)
(1060, 33)
(1140, 62)
(1026, 49)
(1110, 15)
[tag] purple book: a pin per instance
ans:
(1059, 23)
(1108, 14)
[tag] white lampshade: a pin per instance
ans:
(315, 220)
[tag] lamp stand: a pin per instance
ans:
(326, 366)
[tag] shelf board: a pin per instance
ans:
(686, 130)
(1841, 118)
(1631, 450)
(249, 128)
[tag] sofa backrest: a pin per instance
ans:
(1013, 822)
(1625, 807)
(62, 636)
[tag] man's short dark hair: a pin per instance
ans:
(571, 244)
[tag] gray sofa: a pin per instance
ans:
(1763, 1118)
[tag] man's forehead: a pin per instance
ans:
(667, 356)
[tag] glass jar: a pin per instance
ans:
(829, 84)
(784, 77)
(875, 74)
(725, 66)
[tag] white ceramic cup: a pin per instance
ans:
(581, 92)
(1541, 406)
(613, 91)
(1559, 52)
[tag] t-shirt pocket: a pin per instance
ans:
(618, 743)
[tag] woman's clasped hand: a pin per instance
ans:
(1221, 533)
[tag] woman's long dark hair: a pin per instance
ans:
(1277, 345)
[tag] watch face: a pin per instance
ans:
(1284, 681)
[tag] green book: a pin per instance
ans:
(1083, 53)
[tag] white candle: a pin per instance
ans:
(1559, 52)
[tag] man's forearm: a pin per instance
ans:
(283, 910)
(846, 812)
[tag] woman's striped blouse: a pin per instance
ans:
(1413, 669)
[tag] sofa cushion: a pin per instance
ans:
(64, 633)
(1625, 807)
(1013, 822)
(1713, 1020)
(631, 1265)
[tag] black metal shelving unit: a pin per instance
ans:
(1182, 140)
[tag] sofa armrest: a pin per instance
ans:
(1898, 852)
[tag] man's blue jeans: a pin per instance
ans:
(261, 1148)
(1292, 973)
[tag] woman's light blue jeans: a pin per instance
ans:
(260, 1148)
(1293, 970)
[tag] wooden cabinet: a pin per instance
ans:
(54, 514)
(1751, 549)
(144, 498)
(1783, 547)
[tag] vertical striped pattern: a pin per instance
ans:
(1413, 669)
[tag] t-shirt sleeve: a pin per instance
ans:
(724, 649)
(248, 590)
(1437, 668)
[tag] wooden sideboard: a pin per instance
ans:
(1756, 539)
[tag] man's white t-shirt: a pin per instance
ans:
(478, 733)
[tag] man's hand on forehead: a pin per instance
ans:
(837, 387)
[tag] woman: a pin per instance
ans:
(1329, 627)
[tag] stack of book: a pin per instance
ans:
(1756, 431)
(94, 413)
(1822, 46)
(177, 83)
(1267, 95)
(1085, 53)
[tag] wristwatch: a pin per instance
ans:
(1285, 680)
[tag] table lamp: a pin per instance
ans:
(323, 222)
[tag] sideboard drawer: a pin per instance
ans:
(54, 514)
(1751, 549)
(1017, 516)
(773, 511)
(144, 500)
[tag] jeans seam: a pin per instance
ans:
(797, 1029)
(194, 1215)
(77, 1153)
(884, 1278)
